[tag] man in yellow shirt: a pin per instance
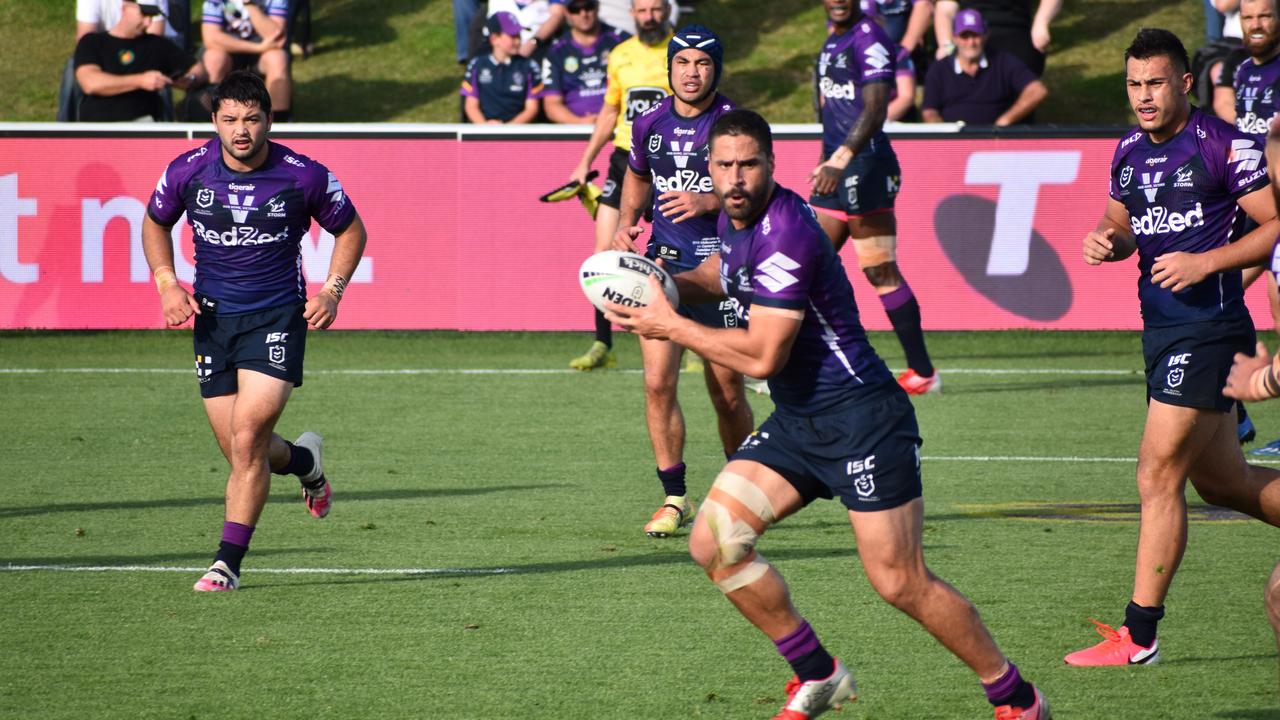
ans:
(637, 80)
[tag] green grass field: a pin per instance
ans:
(519, 500)
(393, 60)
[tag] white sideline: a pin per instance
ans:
(517, 371)
(262, 570)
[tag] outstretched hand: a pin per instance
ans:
(654, 321)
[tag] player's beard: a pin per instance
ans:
(747, 210)
(1262, 48)
(255, 147)
(652, 33)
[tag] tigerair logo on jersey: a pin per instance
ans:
(683, 181)
(1159, 219)
(237, 235)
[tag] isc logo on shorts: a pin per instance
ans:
(864, 484)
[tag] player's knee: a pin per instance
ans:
(899, 586)
(734, 516)
(660, 386)
(729, 400)
(883, 275)
(274, 64)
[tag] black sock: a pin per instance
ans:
(906, 325)
(604, 329)
(231, 554)
(1141, 622)
(673, 480)
(804, 652)
(301, 461)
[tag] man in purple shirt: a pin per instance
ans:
(574, 69)
(1178, 182)
(668, 163)
(248, 201)
(977, 85)
(842, 427)
(857, 183)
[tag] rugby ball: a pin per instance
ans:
(623, 278)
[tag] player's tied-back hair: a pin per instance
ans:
(1150, 42)
(740, 121)
(245, 87)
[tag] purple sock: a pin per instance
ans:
(900, 296)
(1010, 689)
(805, 653)
(236, 534)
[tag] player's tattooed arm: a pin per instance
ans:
(1111, 240)
(875, 109)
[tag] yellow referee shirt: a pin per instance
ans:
(637, 81)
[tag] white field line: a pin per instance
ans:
(262, 570)
(517, 371)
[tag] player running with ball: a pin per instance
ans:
(248, 201)
(842, 427)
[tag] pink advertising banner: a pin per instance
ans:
(989, 232)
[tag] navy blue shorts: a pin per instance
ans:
(866, 452)
(1187, 365)
(870, 184)
(272, 342)
(715, 314)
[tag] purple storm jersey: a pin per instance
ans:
(1181, 196)
(246, 227)
(785, 260)
(1257, 98)
(673, 151)
(233, 17)
(578, 72)
(860, 57)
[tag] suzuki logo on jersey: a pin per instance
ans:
(336, 196)
(1162, 220)
(878, 57)
(240, 210)
(1151, 184)
(773, 272)
(833, 91)
(1244, 155)
(683, 181)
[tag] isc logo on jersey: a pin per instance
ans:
(833, 91)
(684, 181)
(1162, 220)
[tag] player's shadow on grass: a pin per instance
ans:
(199, 558)
(1074, 382)
(279, 496)
(611, 562)
(1259, 714)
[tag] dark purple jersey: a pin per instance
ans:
(785, 260)
(1257, 98)
(673, 151)
(246, 227)
(578, 73)
(1181, 196)
(861, 56)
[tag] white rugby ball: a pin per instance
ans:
(623, 278)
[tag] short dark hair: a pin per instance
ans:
(1150, 42)
(741, 121)
(242, 86)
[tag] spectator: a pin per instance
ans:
(574, 71)
(980, 86)
(102, 15)
(1014, 28)
(1230, 10)
(540, 23)
(250, 33)
(501, 87)
(464, 12)
(906, 21)
(123, 70)
(1212, 22)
